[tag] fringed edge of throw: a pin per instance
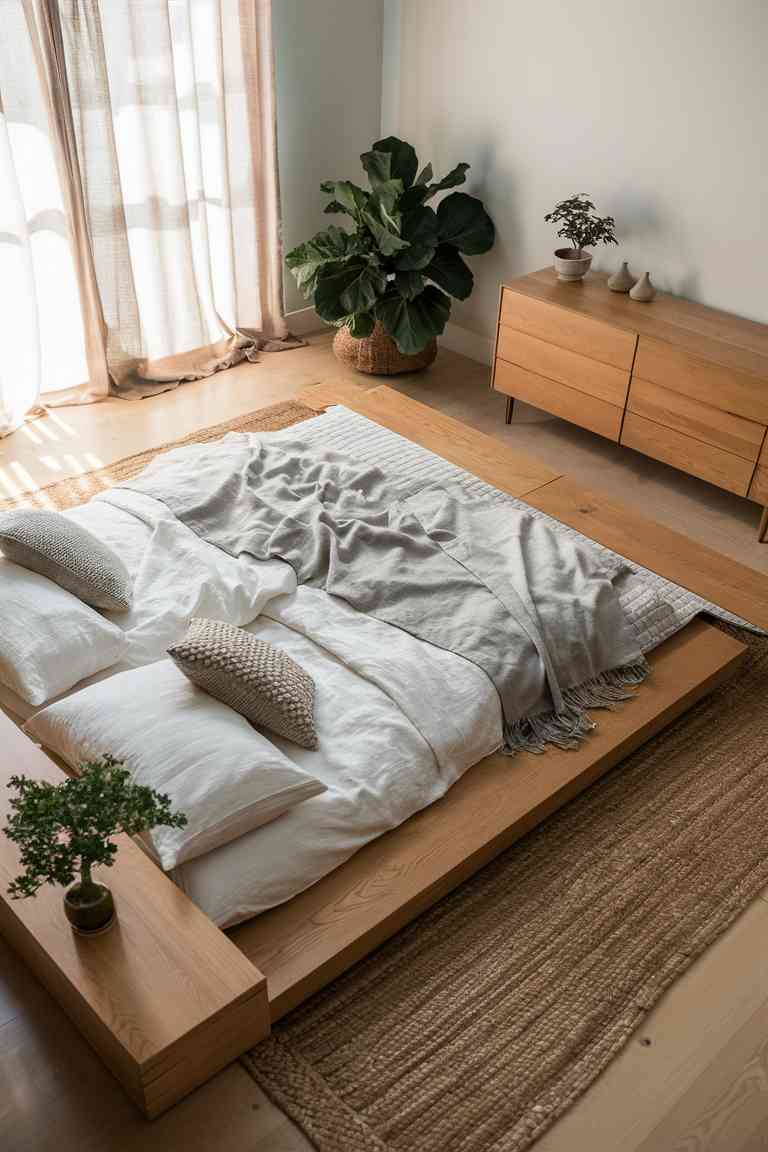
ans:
(568, 727)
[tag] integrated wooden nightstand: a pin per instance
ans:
(164, 997)
(683, 383)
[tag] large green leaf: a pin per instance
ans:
(361, 325)
(420, 229)
(378, 165)
(413, 197)
(307, 259)
(449, 271)
(409, 284)
(344, 289)
(454, 177)
(347, 197)
(464, 223)
(404, 162)
(387, 241)
(384, 203)
(413, 323)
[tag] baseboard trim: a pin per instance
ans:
(470, 344)
(303, 321)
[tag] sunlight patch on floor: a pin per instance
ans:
(47, 431)
(8, 485)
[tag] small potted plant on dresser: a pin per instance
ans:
(580, 224)
(64, 831)
(387, 282)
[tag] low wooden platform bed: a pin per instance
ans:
(168, 999)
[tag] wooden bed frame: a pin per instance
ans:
(164, 1016)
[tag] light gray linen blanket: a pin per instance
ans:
(535, 610)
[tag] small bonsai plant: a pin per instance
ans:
(401, 261)
(64, 830)
(579, 224)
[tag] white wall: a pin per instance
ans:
(658, 108)
(328, 76)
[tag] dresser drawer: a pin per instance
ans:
(705, 380)
(559, 399)
(703, 460)
(701, 421)
(591, 376)
(759, 488)
(566, 329)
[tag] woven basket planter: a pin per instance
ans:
(378, 355)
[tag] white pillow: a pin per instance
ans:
(49, 640)
(224, 775)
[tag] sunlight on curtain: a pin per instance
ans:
(169, 100)
(139, 208)
(41, 331)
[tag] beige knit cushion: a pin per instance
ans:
(75, 559)
(257, 680)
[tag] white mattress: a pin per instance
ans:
(398, 720)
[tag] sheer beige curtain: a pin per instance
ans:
(155, 123)
(50, 332)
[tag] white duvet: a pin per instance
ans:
(398, 720)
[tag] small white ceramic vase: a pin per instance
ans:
(643, 290)
(570, 266)
(622, 280)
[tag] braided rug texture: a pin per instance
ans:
(76, 490)
(477, 1026)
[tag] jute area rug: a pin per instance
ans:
(480, 1023)
(76, 490)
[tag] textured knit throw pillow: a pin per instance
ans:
(256, 679)
(75, 559)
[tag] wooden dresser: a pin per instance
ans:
(675, 380)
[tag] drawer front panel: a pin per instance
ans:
(571, 405)
(759, 489)
(764, 454)
(702, 460)
(566, 329)
(591, 376)
(703, 380)
(701, 421)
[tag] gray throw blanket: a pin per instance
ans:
(532, 608)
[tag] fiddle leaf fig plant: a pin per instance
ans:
(63, 830)
(398, 261)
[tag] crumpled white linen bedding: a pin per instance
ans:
(398, 720)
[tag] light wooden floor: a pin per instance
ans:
(695, 1079)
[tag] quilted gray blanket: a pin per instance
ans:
(535, 610)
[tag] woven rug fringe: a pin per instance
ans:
(567, 728)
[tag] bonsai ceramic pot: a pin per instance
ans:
(90, 908)
(572, 263)
(378, 355)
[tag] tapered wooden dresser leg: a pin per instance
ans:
(510, 409)
(762, 531)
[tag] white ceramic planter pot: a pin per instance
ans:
(572, 263)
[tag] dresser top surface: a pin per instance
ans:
(707, 332)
